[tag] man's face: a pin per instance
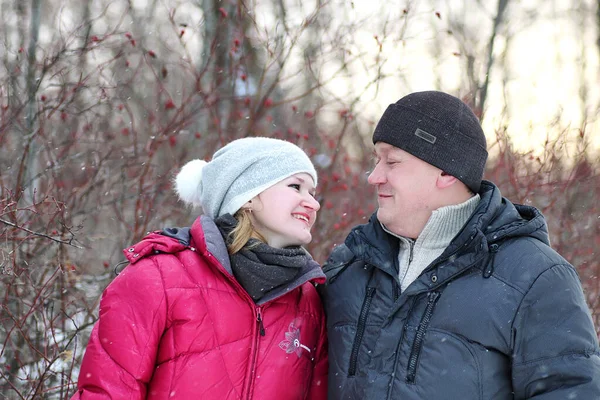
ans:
(406, 187)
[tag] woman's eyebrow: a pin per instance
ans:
(302, 180)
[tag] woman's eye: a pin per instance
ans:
(295, 186)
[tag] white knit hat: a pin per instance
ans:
(238, 172)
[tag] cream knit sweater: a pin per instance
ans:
(416, 255)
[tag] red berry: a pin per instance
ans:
(169, 105)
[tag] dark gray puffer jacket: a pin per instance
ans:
(499, 315)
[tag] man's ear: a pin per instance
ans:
(445, 180)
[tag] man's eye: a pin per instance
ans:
(294, 186)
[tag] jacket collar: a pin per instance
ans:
(207, 239)
(494, 220)
(372, 244)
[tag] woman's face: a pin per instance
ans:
(284, 213)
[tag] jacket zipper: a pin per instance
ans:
(261, 332)
(410, 248)
(360, 330)
(261, 327)
(419, 337)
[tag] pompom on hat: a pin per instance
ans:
(439, 129)
(238, 172)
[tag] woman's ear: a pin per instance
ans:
(254, 204)
(445, 180)
(249, 205)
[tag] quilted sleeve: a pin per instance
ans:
(318, 389)
(555, 353)
(120, 357)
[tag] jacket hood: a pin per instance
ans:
(498, 219)
(203, 237)
(155, 243)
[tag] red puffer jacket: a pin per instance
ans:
(176, 324)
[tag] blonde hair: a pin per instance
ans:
(243, 232)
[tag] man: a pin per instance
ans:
(451, 291)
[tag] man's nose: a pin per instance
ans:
(376, 177)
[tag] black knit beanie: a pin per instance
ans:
(439, 129)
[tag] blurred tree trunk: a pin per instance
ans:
(598, 41)
(478, 67)
(87, 27)
(5, 30)
(598, 26)
(31, 164)
(582, 25)
(312, 101)
(506, 76)
(480, 103)
(214, 63)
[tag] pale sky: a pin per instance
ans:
(544, 70)
(544, 73)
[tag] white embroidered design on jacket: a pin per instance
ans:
(292, 344)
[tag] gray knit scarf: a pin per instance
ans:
(260, 268)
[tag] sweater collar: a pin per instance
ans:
(443, 225)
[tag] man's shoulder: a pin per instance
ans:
(522, 260)
(341, 257)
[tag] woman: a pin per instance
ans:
(226, 309)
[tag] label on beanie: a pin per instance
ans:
(428, 137)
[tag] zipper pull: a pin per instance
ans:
(489, 269)
(411, 247)
(261, 327)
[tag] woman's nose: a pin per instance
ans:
(312, 203)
